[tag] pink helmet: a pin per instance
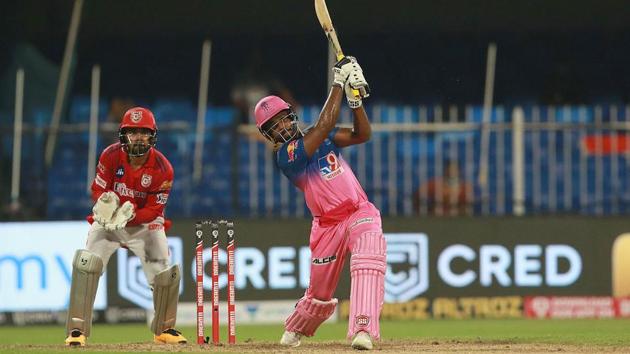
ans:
(268, 107)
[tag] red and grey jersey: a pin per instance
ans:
(147, 187)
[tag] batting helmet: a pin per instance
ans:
(276, 133)
(268, 107)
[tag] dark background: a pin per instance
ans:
(413, 51)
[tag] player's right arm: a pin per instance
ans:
(359, 133)
(103, 181)
(330, 112)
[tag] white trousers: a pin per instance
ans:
(147, 241)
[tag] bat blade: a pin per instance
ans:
(324, 19)
(326, 22)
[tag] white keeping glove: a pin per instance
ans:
(356, 81)
(105, 207)
(343, 68)
(125, 213)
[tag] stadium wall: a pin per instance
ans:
(438, 267)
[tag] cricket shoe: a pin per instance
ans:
(362, 341)
(76, 338)
(291, 339)
(170, 336)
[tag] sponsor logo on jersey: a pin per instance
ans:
(122, 190)
(101, 167)
(329, 166)
(362, 320)
(120, 171)
(324, 260)
(291, 150)
(162, 198)
(166, 185)
(100, 181)
(146, 180)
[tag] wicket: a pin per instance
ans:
(214, 227)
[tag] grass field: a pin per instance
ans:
(400, 336)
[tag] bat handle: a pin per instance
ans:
(356, 92)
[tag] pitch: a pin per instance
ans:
(488, 335)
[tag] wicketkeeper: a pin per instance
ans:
(130, 190)
(344, 221)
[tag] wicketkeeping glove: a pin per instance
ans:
(356, 81)
(125, 213)
(105, 207)
(343, 68)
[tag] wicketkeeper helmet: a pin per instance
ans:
(137, 117)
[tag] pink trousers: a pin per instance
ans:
(359, 235)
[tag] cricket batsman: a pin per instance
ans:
(130, 190)
(344, 221)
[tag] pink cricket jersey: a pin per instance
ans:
(325, 178)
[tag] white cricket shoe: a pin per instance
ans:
(362, 341)
(291, 339)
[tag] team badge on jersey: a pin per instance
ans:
(120, 171)
(146, 180)
(329, 166)
(291, 150)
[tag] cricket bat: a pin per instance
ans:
(324, 19)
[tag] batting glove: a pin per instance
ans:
(342, 70)
(125, 213)
(105, 207)
(356, 88)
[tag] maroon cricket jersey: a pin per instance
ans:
(147, 187)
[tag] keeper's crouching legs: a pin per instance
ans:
(86, 270)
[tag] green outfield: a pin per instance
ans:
(399, 336)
